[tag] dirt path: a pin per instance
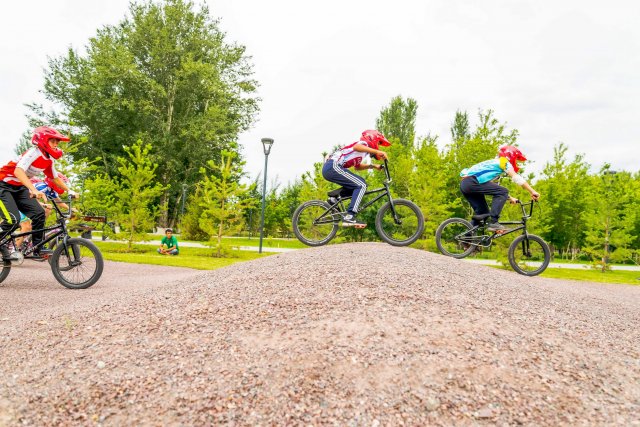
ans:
(31, 293)
(359, 334)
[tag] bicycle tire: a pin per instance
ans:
(6, 269)
(446, 241)
(411, 228)
(68, 261)
(519, 266)
(306, 230)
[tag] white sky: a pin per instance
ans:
(555, 70)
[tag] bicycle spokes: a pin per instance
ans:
(529, 255)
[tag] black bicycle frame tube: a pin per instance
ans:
(60, 226)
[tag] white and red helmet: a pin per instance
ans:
(513, 154)
(374, 138)
(52, 184)
(41, 137)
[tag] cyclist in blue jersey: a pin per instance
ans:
(477, 182)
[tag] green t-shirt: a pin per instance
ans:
(170, 242)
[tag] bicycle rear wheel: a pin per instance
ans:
(450, 238)
(78, 264)
(313, 225)
(529, 255)
(403, 229)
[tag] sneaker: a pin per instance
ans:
(496, 227)
(7, 254)
(351, 221)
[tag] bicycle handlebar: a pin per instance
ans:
(523, 205)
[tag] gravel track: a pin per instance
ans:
(357, 334)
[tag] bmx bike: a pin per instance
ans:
(528, 254)
(398, 222)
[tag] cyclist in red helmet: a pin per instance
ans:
(18, 193)
(336, 170)
(478, 181)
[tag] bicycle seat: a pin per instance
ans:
(335, 193)
(481, 217)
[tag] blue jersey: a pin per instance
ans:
(43, 187)
(488, 170)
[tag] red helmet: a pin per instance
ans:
(41, 137)
(374, 137)
(52, 184)
(513, 154)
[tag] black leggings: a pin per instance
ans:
(15, 199)
(474, 192)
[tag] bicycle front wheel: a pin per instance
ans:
(529, 255)
(78, 264)
(451, 235)
(403, 228)
(6, 269)
(313, 225)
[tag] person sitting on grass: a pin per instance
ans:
(169, 244)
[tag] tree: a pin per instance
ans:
(398, 120)
(164, 74)
(609, 219)
(565, 190)
(136, 191)
(222, 202)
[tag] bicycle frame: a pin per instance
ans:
(479, 240)
(330, 215)
(60, 228)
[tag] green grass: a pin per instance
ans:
(267, 242)
(198, 258)
(623, 277)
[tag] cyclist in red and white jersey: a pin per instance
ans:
(18, 193)
(336, 169)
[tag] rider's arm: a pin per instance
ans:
(369, 166)
(60, 183)
(22, 176)
(518, 179)
(365, 149)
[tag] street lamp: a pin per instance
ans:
(266, 144)
(184, 193)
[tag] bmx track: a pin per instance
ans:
(356, 334)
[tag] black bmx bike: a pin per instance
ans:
(75, 262)
(399, 222)
(528, 254)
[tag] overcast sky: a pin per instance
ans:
(558, 71)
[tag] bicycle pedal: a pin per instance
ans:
(360, 226)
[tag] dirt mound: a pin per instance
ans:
(362, 334)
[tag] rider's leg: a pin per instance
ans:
(470, 190)
(9, 213)
(337, 174)
(25, 227)
(32, 209)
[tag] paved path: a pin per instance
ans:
(200, 245)
(559, 265)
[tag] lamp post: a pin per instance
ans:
(266, 145)
(184, 193)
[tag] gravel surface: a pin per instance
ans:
(359, 334)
